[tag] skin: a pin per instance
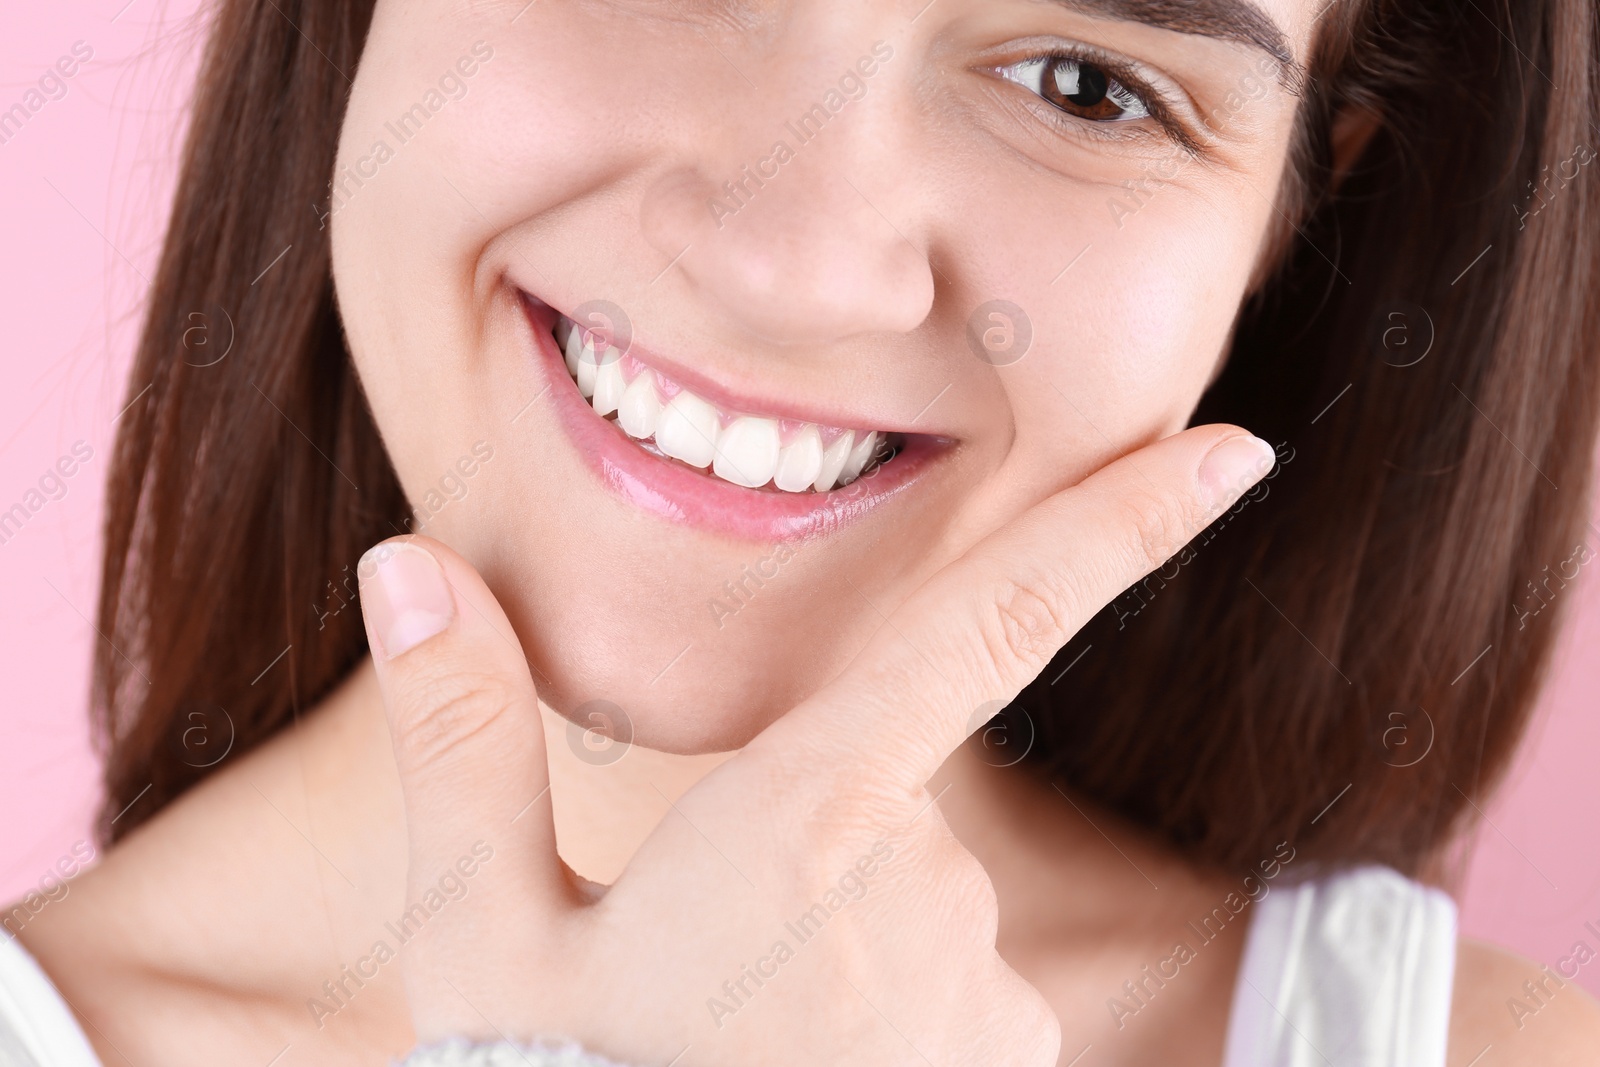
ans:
(202, 937)
(807, 292)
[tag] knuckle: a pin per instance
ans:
(1028, 623)
(823, 786)
(838, 836)
(441, 711)
(1158, 526)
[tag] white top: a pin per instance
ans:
(1351, 970)
(36, 1027)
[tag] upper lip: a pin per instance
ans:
(748, 403)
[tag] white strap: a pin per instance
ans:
(459, 1052)
(36, 1028)
(1352, 970)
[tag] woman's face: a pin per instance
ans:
(1000, 241)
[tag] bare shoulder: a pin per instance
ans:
(197, 938)
(1508, 1011)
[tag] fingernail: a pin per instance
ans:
(404, 595)
(1234, 466)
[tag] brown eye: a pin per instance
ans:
(1078, 88)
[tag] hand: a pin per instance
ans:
(805, 903)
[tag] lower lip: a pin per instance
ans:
(676, 492)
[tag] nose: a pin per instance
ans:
(801, 233)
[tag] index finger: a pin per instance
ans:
(985, 626)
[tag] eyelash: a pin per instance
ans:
(1153, 101)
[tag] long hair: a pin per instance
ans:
(248, 472)
(1247, 693)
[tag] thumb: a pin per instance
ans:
(464, 720)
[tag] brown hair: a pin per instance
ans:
(243, 484)
(1258, 677)
(1335, 662)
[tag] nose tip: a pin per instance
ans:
(799, 258)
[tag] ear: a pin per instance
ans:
(1351, 131)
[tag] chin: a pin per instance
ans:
(660, 669)
(683, 599)
(690, 718)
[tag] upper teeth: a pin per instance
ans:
(748, 450)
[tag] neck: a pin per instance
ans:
(1041, 847)
(609, 798)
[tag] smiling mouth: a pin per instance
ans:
(750, 450)
(674, 443)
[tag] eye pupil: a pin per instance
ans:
(1080, 83)
(1086, 90)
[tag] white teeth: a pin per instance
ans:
(860, 453)
(640, 407)
(571, 347)
(833, 461)
(687, 430)
(747, 451)
(587, 367)
(800, 462)
(609, 384)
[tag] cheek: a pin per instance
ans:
(1131, 292)
(423, 185)
(538, 125)
(1127, 340)
(1159, 315)
(426, 182)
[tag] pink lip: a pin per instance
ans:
(674, 491)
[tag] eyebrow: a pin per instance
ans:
(1224, 20)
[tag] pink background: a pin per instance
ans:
(84, 187)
